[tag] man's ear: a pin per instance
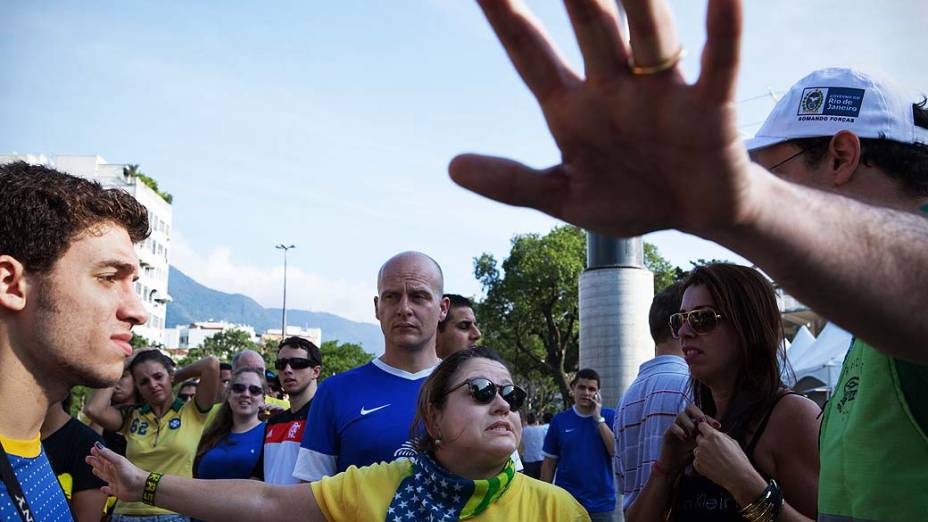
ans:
(13, 284)
(843, 157)
(445, 304)
(376, 311)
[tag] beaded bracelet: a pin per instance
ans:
(151, 485)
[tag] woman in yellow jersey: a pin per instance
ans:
(162, 432)
(469, 428)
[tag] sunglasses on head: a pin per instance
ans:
(251, 388)
(484, 390)
(297, 363)
(702, 321)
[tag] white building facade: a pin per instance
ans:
(152, 286)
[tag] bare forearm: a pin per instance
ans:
(547, 469)
(87, 505)
(99, 410)
(653, 500)
(607, 437)
(237, 500)
(853, 263)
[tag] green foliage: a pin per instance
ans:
(138, 342)
(665, 273)
(337, 358)
(531, 310)
(134, 171)
(223, 345)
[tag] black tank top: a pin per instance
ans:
(699, 499)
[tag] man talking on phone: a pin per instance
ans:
(579, 446)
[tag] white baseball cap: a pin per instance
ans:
(832, 100)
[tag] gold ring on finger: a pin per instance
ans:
(669, 63)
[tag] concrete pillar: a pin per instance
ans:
(615, 295)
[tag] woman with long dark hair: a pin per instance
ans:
(231, 444)
(748, 448)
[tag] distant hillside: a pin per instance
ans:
(195, 302)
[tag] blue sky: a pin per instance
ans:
(330, 124)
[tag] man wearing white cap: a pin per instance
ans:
(847, 132)
(643, 149)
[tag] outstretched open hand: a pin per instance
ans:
(638, 152)
(124, 480)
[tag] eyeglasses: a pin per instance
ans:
(297, 363)
(484, 390)
(702, 321)
(251, 388)
(787, 160)
(185, 396)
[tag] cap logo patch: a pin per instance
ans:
(830, 104)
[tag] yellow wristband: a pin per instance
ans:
(151, 485)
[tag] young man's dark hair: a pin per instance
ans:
(664, 304)
(313, 352)
(586, 373)
(454, 301)
(43, 210)
(225, 366)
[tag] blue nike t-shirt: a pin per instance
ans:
(359, 417)
(234, 457)
(584, 467)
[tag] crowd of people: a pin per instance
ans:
(827, 199)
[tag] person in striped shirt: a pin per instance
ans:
(652, 402)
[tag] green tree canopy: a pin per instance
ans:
(340, 357)
(223, 345)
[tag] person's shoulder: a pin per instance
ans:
(347, 377)
(794, 408)
(551, 499)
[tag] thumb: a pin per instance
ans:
(511, 182)
(706, 429)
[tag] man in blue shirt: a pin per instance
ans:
(363, 416)
(67, 307)
(579, 447)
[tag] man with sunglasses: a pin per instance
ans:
(579, 446)
(363, 416)
(299, 363)
(652, 401)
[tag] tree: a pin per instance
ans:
(665, 273)
(338, 358)
(531, 310)
(223, 345)
(134, 172)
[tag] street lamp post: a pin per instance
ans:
(283, 321)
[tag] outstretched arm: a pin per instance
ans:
(641, 153)
(207, 499)
(99, 410)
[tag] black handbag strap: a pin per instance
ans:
(14, 489)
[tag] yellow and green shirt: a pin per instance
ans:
(167, 445)
(365, 494)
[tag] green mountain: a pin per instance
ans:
(195, 302)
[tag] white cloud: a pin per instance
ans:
(305, 291)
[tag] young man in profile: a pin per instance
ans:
(67, 307)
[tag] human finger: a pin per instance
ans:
(720, 56)
(651, 31)
(685, 422)
(530, 50)
(677, 431)
(597, 26)
(706, 429)
(694, 412)
(511, 182)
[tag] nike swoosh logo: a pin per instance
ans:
(372, 410)
(569, 430)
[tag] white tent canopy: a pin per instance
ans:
(819, 362)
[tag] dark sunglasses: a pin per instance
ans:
(297, 363)
(252, 389)
(484, 390)
(702, 321)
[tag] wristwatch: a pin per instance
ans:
(600, 420)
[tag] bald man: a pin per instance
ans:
(362, 416)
